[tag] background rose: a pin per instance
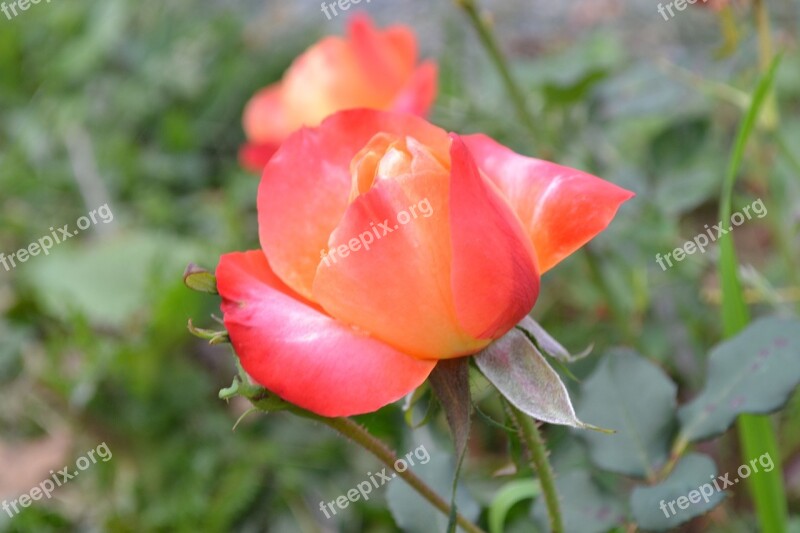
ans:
(350, 336)
(369, 68)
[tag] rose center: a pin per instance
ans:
(388, 156)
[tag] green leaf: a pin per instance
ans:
(630, 394)
(212, 336)
(589, 510)
(678, 143)
(682, 189)
(689, 489)
(507, 497)
(412, 512)
(753, 372)
(420, 397)
(735, 314)
(108, 281)
(756, 433)
(516, 368)
(545, 342)
(200, 279)
(450, 383)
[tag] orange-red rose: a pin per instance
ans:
(370, 68)
(462, 228)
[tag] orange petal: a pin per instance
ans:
(494, 277)
(393, 279)
(305, 188)
(561, 208)
(302, 355)
(265, 119)
(386, 57)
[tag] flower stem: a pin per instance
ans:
(529, 434)
(358, 434)
(490, 43)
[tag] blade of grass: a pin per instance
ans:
(756, 433)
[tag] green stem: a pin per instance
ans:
(678, 449)
(529, 434)
(376, 447)
(486, 36)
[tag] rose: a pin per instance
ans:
(370, 68)
(350, 336)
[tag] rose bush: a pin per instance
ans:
(370, 68)
(349, 336)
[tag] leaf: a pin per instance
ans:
(415, 399)
(108, 281)
(628, 393)
(589, 510)
(545, 342)
(694, 473)
(200, 279)
(212, 336)
(516, 368)
(413, 513)
(11, 350)
(678, 143)
(735, 314)
(680, 190)
(757, 434)
(753, 372)
(507, 497)
(450, 383)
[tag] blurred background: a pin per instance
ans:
(138, 105)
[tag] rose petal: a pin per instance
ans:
(305, 188)
(419, 93)
(265, 119)
(324, 79)
(294, 350)
(386, 57)
(254, 157)
(494, 277)
(561, 208)
(398, 288)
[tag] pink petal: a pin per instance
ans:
(494, 276)
(254, 157)
(419, 93)
(561, 208)
(296, 351)
(386, 57)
